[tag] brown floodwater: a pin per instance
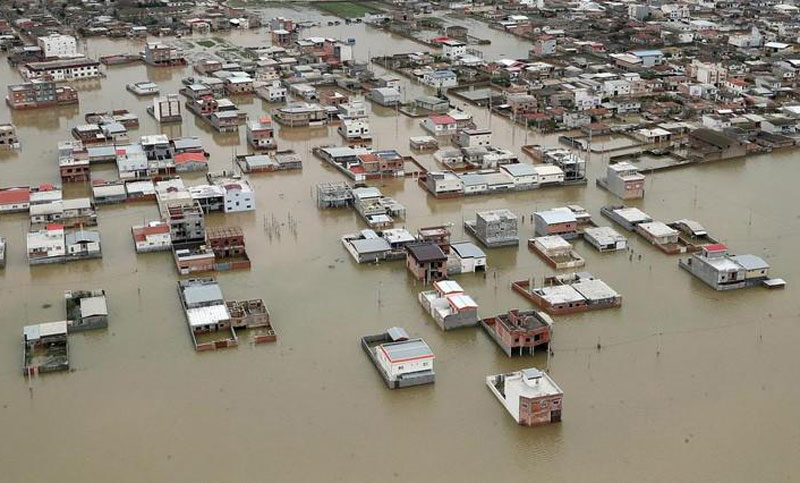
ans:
(689, 384)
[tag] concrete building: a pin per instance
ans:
(466, 257)
(61, 70)
(519, 332)
(45, 348)
(186, 223)
(494, 228)
(529, 395)
(40, 93)
(624, 181)
(206, 313)
(440, 79)
(82, 244)
(400, 360)
(715, 267)
(47, 245)
(86, 309)
(355, 130)
(57, 45)
(627, 217)
(426, 262)
(468, 138)
(569, 293)
(444, 184)
(605, 238)
(166, 108)
(385, 96)
(558, 221)
(159, 54)
(556, 251)
(449, 306)
(260, 134)
(152, 237)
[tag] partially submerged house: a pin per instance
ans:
(605, 239)
(556, 252)
(569, 293)
(496, 228)
(426, 262)
(718, 269)
(519, 332)
(86, 309)
(529, 395)
(400, 360)
(45, 348)
(449, 306)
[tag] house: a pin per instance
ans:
(556, 252)
(186, 223)
(548, 174)
(401, 361)
(77, 68)
(495, 228)
(657, 233)
(529, 395)
(83, 244)
(569, 293)
(432, 104)
(426, 262)
(466, 257)
(355, 130)
(449, 306)
(444, 184)
(627, 217)
(605, 238)
(158, 54)
(623, 180)
(301, 114)
(385, 96)
(558, 221)
(453, 49)
(152, 237)
(166, 108)
(8, 137)
(468, 138)
(86, 310)
(708, 145)
(523, 175)
(714, 266)
(518, 332)
(45, 348)
(440, 79)
(15, 199)
(206, 313)
(47, 245)
(260, 134)
(39, 93)
(188, 162)
(227, 244)
(440, 124)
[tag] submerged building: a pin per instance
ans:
(529, 395)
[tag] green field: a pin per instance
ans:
(347, 9)
(205, 43)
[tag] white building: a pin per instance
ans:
(405, 357)
(238, 196)
(46, 244)
(273, 92)
(453, 49)
(469, 138)
(58, 45)
(355, 129)
(469, 257)
(152, 237)
(440, 78)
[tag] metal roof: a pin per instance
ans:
(750, 262)
(202, 293)
(468, 250)
(556, 216)
(91, 306)
(407, 350)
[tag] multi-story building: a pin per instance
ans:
(40, 94)
(58, 45)
(529, 395)
(186, 222)
(161, 55)
(624, 181)
(61, 70)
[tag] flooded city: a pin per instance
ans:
(674, 381)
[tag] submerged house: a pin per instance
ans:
(401, 360)
(86, 309)
(449, 306)
(529, 395)
(718, 269)
(45, 348)
(519, 332)
(426, 262)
